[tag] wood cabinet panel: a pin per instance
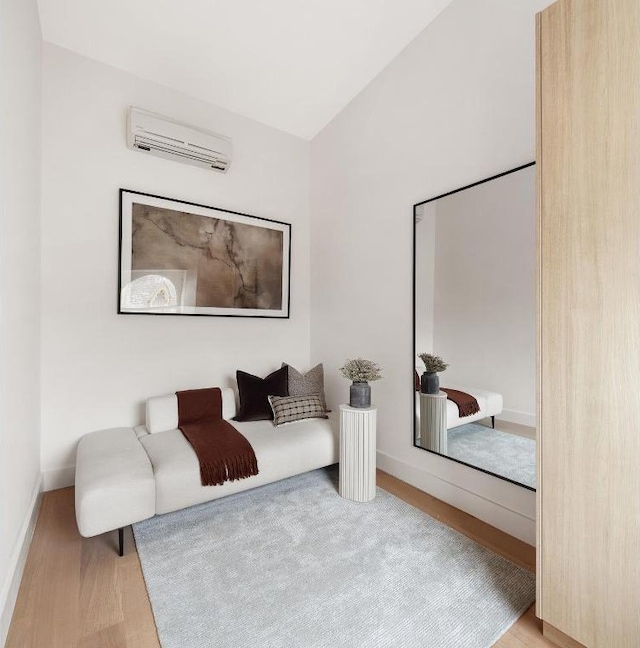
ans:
(589, 320)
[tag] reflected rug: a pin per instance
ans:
(294, 565)
(505, 454)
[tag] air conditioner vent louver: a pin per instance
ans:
(156, 135)
(159, 135)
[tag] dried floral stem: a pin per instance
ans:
(361, 370)
(432, 363)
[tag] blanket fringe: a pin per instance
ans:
(215, 473)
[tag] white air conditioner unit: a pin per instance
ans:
(174, 140)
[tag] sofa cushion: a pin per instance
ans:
(254, 393)
(162, 411)
(114, 481)
(307, 384)
(288, 409)
(281, 452)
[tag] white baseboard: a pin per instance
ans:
(59, 478)
(515, 523)
(17, 561)
(514, 416)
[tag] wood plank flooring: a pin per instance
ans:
(77, 593)
(516, 428)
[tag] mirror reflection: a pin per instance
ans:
(474, 325)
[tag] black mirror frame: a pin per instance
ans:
(413, 325)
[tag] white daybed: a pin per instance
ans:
(126, 475)
(490, 404)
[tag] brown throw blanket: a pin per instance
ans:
(467, 404)
(224, 454)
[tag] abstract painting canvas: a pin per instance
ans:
(180, 258)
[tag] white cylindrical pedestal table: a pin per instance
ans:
(433, 422)
(357, 453)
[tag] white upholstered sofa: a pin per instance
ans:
(490, 404)
(126, 475)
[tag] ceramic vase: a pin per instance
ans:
(430, 382)
(360, 395)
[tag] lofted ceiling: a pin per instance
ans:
(291, 64)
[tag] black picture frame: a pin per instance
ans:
(177, 257)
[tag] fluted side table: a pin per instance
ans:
(433, 422)
(357, 453)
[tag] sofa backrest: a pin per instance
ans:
(162, 411)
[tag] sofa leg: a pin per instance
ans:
(493, 422)
(121, 541)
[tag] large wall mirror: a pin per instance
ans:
(474, 307)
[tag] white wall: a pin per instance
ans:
(485, 292)
(20, 77)
(99, 367)
(425, 270)
(456, 106)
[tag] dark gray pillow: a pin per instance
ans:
(307, 384)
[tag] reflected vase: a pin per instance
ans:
(430, 382)
(360, 395)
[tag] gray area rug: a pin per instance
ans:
(294, 565)
(505, 454)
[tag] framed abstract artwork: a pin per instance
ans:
(181, 258)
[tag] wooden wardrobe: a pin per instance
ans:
(588, 102)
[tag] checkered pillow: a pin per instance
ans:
(287, 409)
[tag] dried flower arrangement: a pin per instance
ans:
(361, 370)
(432, 363)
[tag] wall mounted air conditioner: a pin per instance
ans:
(167, 138)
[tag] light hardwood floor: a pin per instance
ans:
(516, 428)
(77, 593)
(512, 428)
